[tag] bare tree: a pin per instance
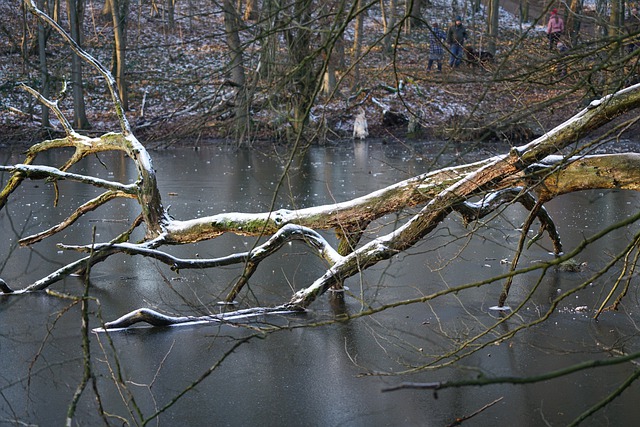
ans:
(171, 13)
(357, 41)
(493, 25)
(299, 44)
(251, 10)
(236, 65)
(44, 70)
(76, 14)
(120, 12)
(414, 11)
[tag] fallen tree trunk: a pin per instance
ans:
(531, 174)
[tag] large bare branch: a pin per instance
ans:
(286, 234)
(45, 172)
(144, 189)
(585, 168)
(149, 197)
(501, 168)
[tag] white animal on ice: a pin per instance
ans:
(360, 127)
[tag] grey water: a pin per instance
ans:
(307, 368)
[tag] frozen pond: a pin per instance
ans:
(308, 371)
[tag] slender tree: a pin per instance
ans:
(574, 21)
(120, 13)
(75, 9)
(493, 25)
(44, 69)
(414, 12)
(302, 71)
(251, 12)
(236, 65)
(357, 42)
(388, 22)
(171, 13)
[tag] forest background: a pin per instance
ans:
(199, 71)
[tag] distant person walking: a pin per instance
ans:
(555, 29)
(436, 50)
(456, 37)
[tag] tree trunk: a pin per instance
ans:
(414, 13)
(76, 12)
(329, 80)
(120, 11)
(53, 9)
(524, 11)
(269, 41)
(357, 43)
(171, 14)
(476, 4)
(493, 25)
(574, 21)
(44, 70)
(616, 20)
(251, 10)
(602, 7)
(107, 8)
(236, 65)
(232, 27)
(389, 15)
(303, 80)
(332, 45)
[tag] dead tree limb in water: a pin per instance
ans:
(531, 174)
(499, 180)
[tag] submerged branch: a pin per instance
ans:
(89, 206)
(154, 318)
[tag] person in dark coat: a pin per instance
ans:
(436, 50)
(456, 37)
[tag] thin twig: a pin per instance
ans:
(440, 385)
(464, 418)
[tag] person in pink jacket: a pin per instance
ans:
(555, 28)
